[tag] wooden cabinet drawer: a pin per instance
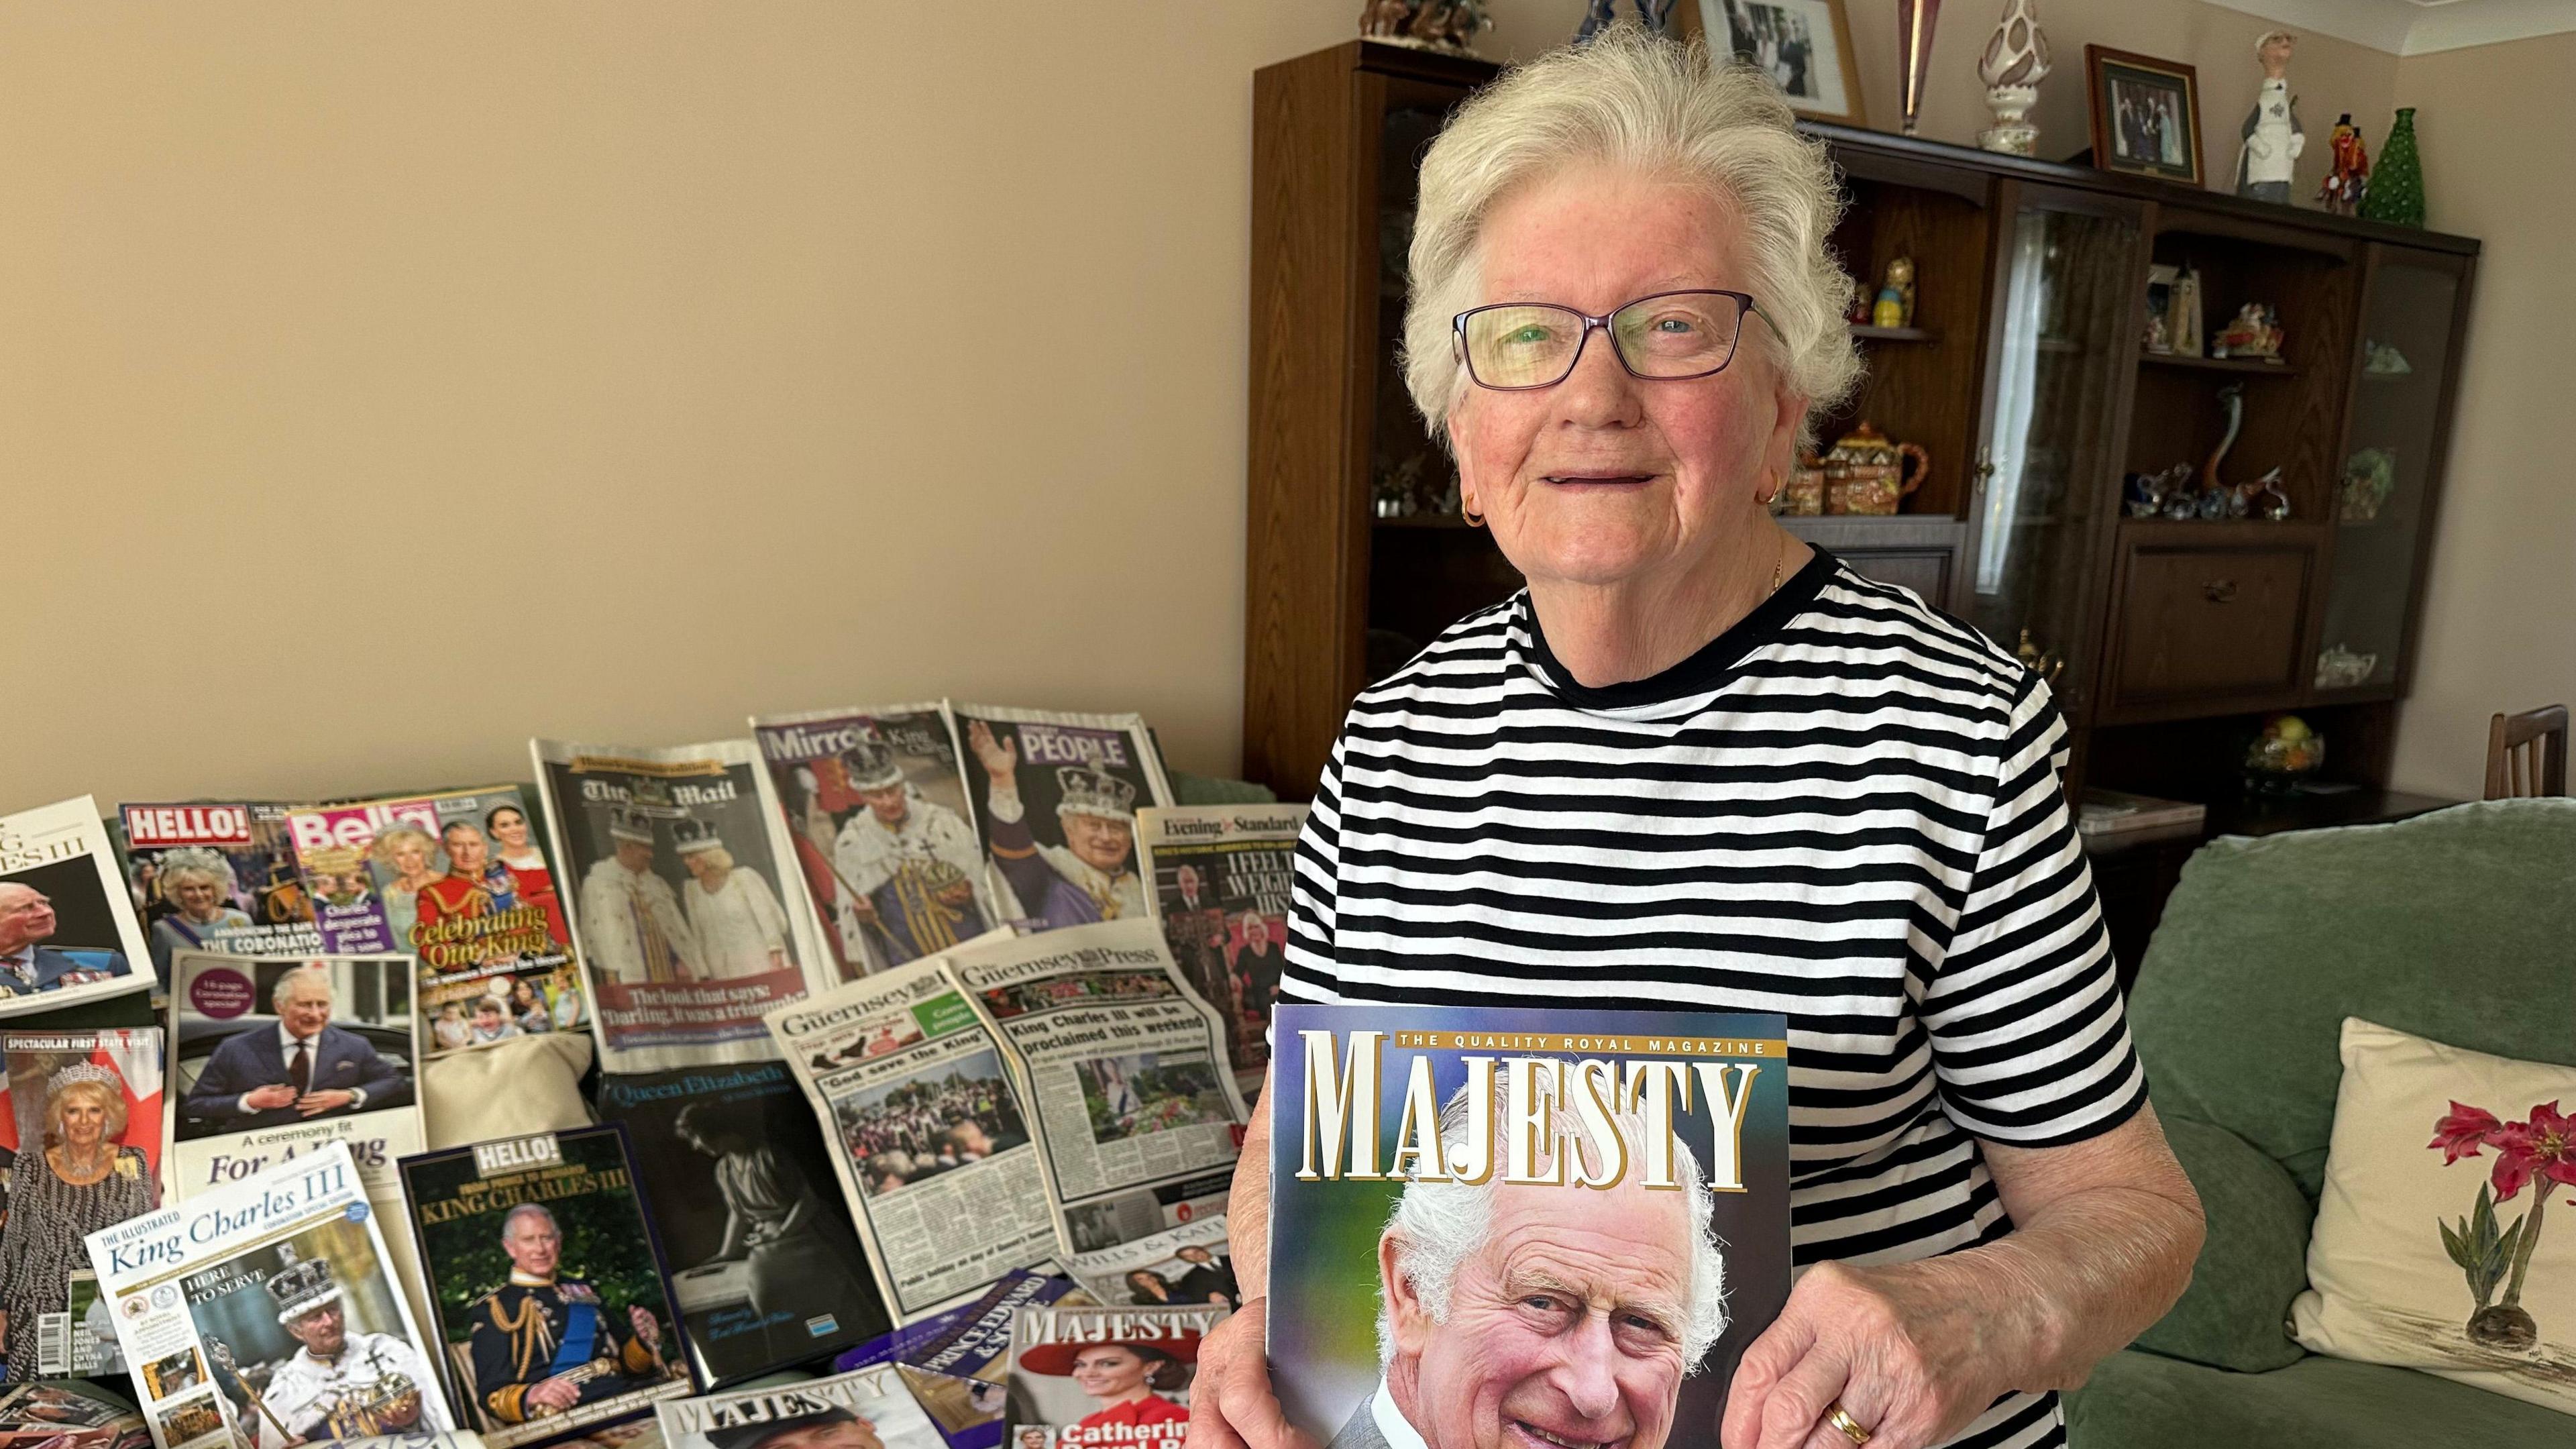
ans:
(2210, 620)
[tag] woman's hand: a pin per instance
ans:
(1912, 1352)
(1231, 1405)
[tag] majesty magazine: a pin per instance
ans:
(1429, 1158)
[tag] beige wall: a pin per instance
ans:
(380, 385)
(2498, 632)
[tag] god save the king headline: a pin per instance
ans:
(1535, 1089)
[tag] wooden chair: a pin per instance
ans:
(2527, 753)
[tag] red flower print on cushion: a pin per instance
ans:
(2544, 1147)
(2460, 1134)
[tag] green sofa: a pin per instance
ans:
(2459, 926)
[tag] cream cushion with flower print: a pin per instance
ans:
(2458, 1255)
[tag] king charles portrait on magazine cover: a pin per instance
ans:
(1570, 1311)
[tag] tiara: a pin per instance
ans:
(82, 1072)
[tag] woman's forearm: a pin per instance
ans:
(1247, 1211)
(2084, 1272)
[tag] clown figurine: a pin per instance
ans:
(2349, 177)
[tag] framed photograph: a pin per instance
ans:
(1805, 45)
(2145, 115)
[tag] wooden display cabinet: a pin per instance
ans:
(2024, 376)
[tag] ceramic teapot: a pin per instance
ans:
(1865, 473)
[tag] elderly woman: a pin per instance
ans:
(196, 884)
(82, 1181)
(1699, 763)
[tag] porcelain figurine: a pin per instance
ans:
(2273, 137)
(1895, 304)
(2015, 62)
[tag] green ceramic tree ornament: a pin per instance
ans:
(2396, 192)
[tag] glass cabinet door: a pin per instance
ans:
(2391, 464)
(2064, 355)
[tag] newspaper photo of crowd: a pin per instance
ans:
(1128, 1096)
(938, 1121)
(1085, 989)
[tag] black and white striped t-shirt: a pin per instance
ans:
(1845, 809)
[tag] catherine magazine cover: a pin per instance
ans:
(1451, 1186)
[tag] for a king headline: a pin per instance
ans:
(1527, 1101)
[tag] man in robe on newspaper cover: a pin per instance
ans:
(27, 964)
(306, 1068)
(543, 1345)
(630, 917)
(1092, 876)
(339, 1384)
(907, 863)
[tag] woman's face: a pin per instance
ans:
(1607, 479)
(1112, 1371)
(198, 896)
(411, 856)
(84, 1119)
(511, 829)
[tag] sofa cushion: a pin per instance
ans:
(2406, 1225)
(2451, 925)
(2137, 1400)
(2252, 1263)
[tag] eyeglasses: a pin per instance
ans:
(1670, 336)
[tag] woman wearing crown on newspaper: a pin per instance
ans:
(1700, 762)
(82, 1181)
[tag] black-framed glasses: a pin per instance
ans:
(1668, 337)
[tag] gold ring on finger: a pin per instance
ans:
(1840, 1418)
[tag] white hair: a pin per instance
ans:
(1636, 102)
(510, 1220)
(287, 983)
(1438, 1225)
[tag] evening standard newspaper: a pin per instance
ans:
(687, 910)
(1137, 1113)
(280, 1281)
(928, 1132)
(1220, 876)
(67, 926)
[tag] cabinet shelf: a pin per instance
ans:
(1867, 333)
(2219, 364)
(1423, 520)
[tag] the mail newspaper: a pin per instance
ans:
(928, 1131)
(1137, 1112)
(216, 877)
(276, 1057)
(685, 907)
(68, 930)
(868, 1408)
(875, 803)
(264, 1314)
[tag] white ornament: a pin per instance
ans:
(2014, 63)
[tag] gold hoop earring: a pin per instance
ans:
(1765, 498)
(1474, 519)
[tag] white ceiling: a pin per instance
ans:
(2415, 27)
